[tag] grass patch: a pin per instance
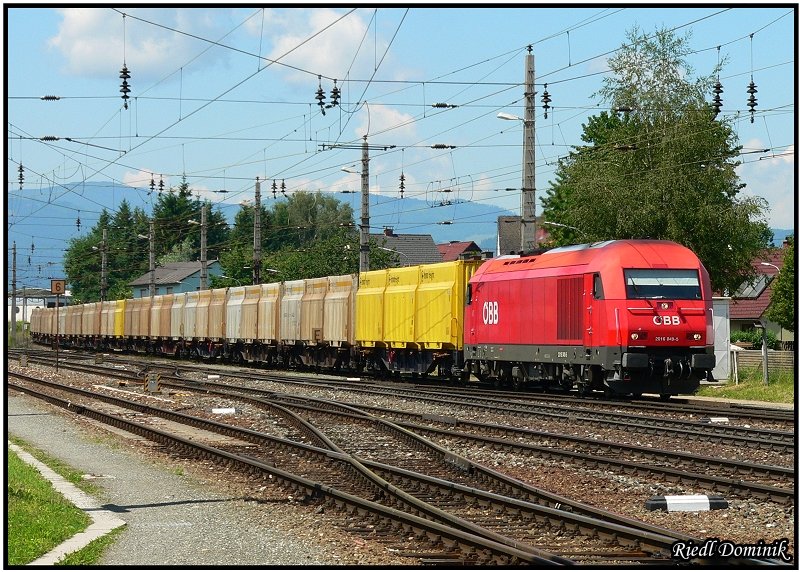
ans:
(72, 475)
(751, 387)
(91, 553)
(39, 518)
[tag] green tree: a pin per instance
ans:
(173, 211)
(334, 255)
(304, 236)
(303, 218)
(659, 166)
(331, 249)
(83, 264)
(781, 306)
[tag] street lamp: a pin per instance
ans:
(563, 226)
(203, 239)
(231, 278)
(527, 206)
(151, 238)
(363, 242)
(769, 264)
(509, 117)
(103, 265)
(396, 252)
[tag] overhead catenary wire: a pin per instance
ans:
(407, 146)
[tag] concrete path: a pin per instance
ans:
(103, 521)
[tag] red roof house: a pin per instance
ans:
(453, 249)
(749, 303)
(751, 300)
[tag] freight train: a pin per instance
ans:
(621, 316)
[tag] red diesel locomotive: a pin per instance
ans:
(621, 316)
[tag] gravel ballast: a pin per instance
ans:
(174, 519)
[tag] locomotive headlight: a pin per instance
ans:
(697, 337)
(634, 336)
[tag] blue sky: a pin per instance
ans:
(208, 103)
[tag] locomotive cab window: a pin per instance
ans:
(469, 294)
(645, 283)
(597, 288)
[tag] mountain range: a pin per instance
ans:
(48, 218)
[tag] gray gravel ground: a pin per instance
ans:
(171, 519)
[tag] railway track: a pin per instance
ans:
(623, 550)
(687, 406)
(733, 435)
(501, 519)
(448, 541)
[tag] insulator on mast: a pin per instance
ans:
(320, 97)
(717, 105)
(124, 75)
(545, 101)
(752, 101)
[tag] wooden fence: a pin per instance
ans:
(751, 359)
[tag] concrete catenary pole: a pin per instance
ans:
(203, 255)
(152, 237)
(257, 235)
(104, 266)
(528, 197)
(363, 250)
(14, 293)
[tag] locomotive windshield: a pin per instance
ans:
(662, 283)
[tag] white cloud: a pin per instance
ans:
(94, 42)
(331, 53)
(378, 119)
(772, 177)
(139, 179)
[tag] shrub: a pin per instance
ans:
(754, 337)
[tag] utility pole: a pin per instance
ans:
(152, 238)
(14, 293)
(203, 257)
(363, 250)
(257, 235)
(104, 266)
(24, 310)
(528, 240)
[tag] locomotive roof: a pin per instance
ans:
(596, 255)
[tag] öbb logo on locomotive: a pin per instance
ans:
(584, 316)
(491, 313)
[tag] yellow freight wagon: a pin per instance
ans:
(398, 306)
(369, 308)
(439, 308)
(119, 318)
